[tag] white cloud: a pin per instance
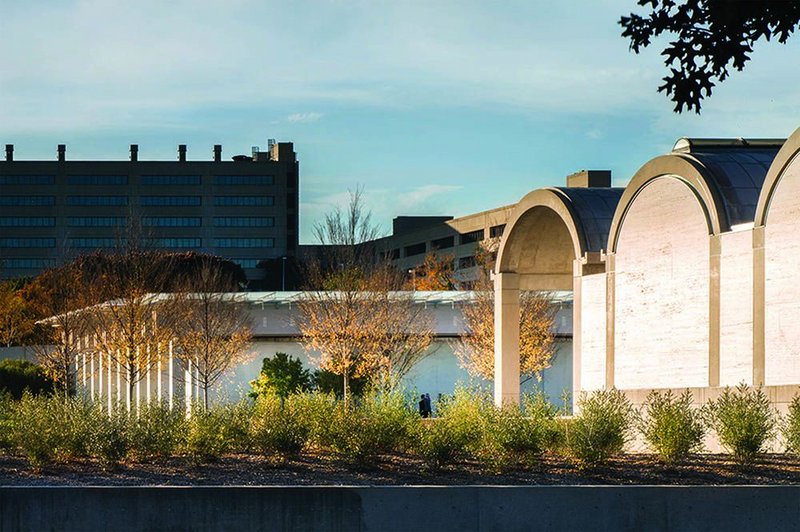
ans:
(303, 118)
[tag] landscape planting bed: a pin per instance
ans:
(311, 469)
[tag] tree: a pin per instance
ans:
(344, 234)
(59, 294)
(281, 375)
(355, 314)
(475, 349)
(214, 326)
(435, 273)
(364, 328)
(130, 321)
(711, 37)
(15, 315)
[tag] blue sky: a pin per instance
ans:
(434, 107)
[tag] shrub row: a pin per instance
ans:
(468, 426)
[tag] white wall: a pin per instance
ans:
(736, 309)
(438, 373)
(593, 332)
(782, 260)
(662, 290)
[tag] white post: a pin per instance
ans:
(138, 384)
(149, 375)
(109, 382)
(187, 379)
(91, 376)
(99, 377)
(119, 387)
(158, 373)
(506, 338)
(171, 376)
(196, 379)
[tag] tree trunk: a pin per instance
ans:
(205, 396)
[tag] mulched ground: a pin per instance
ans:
(400, 470)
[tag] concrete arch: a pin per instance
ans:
(783, 159)
(678, 166)
(775, 255)
(541, 240)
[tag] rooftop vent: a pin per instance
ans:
(589, 179)
(689, 145)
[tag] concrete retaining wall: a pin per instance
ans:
(387, 508)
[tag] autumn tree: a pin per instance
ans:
(435, 273)
(215, 328)
(355, 314)
(16, 319)
(364, 328)
(132, 322)
(710, 37)
(475, 348)
(59, 294)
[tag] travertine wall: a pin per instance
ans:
(782, 261)
(662, 290)
(736, 308)
(593, 332)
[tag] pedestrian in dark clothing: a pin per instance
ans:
(428, 406)
(423, 406)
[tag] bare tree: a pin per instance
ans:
(344, 232)
(215, 328)
(475, 348)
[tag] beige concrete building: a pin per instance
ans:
(413, 237)
(686, 278)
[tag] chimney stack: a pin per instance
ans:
(134, 152)
(589, 179)
(217, 152)
(9, 152)
(182, 153)
(62, 152)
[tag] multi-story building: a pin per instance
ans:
(244, 209)
(413, 237)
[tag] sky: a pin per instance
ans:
(433, 107)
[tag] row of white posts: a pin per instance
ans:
(96, 374)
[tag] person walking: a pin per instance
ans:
(423, 406)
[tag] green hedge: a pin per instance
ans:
(16, 376)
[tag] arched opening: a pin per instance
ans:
(541, 249)
(538, 252)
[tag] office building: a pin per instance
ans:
(244, 209)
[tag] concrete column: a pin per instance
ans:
(759, 311)
(576, 331)
(610, 319)
(506, 338)
(714, 310)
